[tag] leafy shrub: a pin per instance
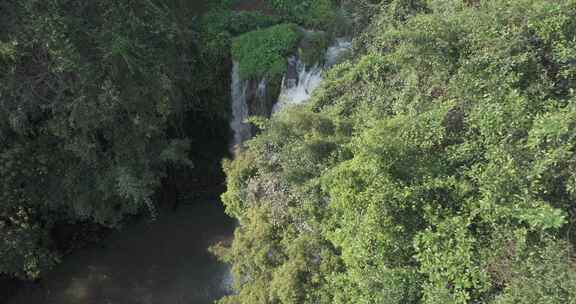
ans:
(243, 22)
(317, 14)
(95, 108)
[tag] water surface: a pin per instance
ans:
(163, 262)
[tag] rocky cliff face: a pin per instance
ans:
(262, 97)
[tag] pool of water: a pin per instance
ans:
(161, 262)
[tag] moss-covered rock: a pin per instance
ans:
(262, 52)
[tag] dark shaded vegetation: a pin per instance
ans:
(104, 105)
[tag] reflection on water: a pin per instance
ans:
(164, 262)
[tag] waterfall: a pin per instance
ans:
(298, 88)
(261, 91)
(249, 97)
(240, 112)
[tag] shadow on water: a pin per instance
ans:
(164, 262)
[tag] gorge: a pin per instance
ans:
(123, 267)
(288, 151)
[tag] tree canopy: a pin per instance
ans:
(436, 166)
(97, 100)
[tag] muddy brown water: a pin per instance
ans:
(161, 262)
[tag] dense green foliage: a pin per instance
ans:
(321, 14)
(98, 104)
(435, 167)
(262, 52)
(338, 17)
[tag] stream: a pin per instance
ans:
(164, 262)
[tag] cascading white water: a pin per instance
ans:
(238, 123)
(296, 91)
(296, 88)
(261, 91)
